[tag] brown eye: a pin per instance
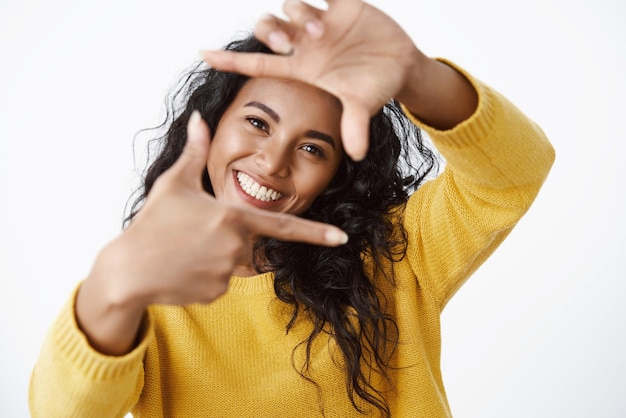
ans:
(314, 149)
(257, 123)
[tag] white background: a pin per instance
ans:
(537, 332)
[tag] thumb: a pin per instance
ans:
(192, 161)
(355, 125)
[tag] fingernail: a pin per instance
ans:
(315, 28)
(207, 54)
(336, 236)
(192, 125)
(357, 156)
(194, 118)
(358, 153)
(279, 42)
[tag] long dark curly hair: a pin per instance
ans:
(329, 286)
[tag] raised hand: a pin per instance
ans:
(181, 248)
(352, 50)
(185, 233)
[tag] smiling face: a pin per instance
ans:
(277, 146)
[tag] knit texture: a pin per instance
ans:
(233, 357)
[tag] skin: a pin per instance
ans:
(162, 256)
(184, 245)
(285, 136)
(360, 55)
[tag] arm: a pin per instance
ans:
(71, 379)
(496, 162)
(497, 158)
(180, 249)
(360, 55)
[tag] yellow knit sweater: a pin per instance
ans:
(232, 358)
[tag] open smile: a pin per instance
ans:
(255, 190)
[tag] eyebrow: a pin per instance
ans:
(266, 109)
(311, 133)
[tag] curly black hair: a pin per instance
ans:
(330, 286)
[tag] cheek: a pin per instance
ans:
(227, 145)
(217, 161)
(315, 182)
(213, 160)
(223, 148)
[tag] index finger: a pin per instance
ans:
(252, 64)
(286, 227)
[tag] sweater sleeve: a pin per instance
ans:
(71, 379)
(496, 162)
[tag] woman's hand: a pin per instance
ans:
(352, 50)
(181, 248)
(363, 57)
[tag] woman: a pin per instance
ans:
(226, 304)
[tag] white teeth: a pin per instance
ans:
(255, 190)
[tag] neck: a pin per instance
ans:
(245, 271)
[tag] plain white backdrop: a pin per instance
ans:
(538, 331)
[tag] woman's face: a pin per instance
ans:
(277, 146)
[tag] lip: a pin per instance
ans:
(267, 205)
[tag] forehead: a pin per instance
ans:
(285, 96)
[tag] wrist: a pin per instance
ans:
(107, 310)
(413, 91)
(438, 94)
(115, 277)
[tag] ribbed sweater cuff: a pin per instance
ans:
(478, 125)
(70, 343)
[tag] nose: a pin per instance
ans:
(273, 158)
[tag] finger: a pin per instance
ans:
(275, 33)
(250, 64)
(287, 227)
(192, 161)
(305, 16)
(355, 122)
